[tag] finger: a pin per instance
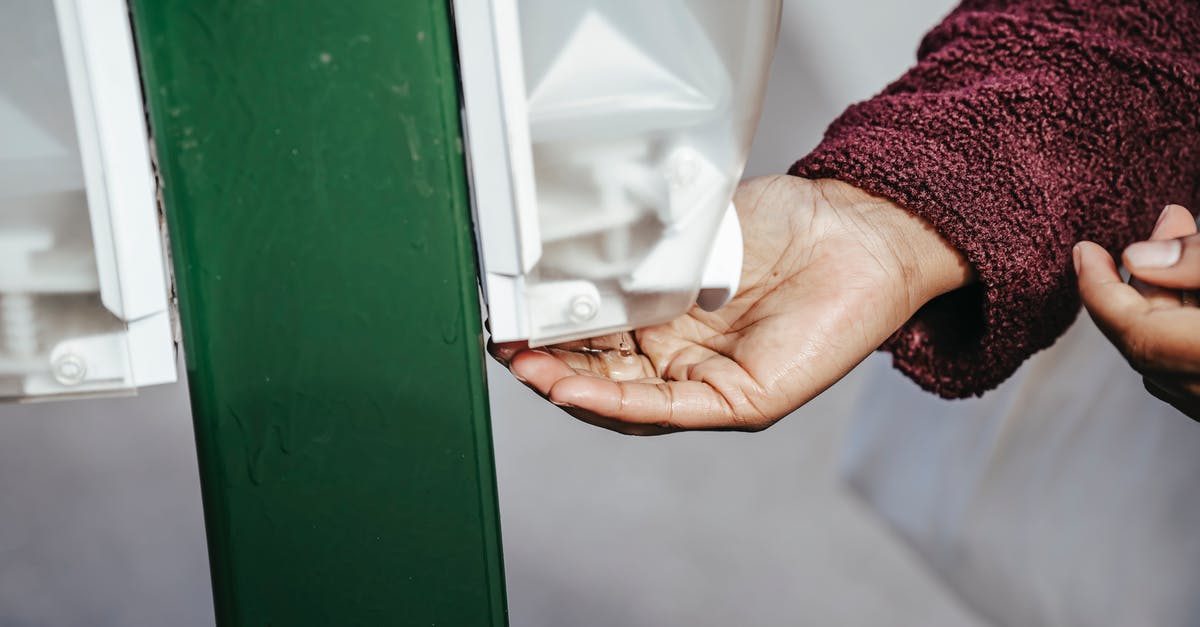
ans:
(614, 364)
(1118, 309)
(1187, 402)
(1169, 387)
(1173, 264)
(1158, 296)
(1153, 341)
(617, 426)
(1157, 390)
(627, 406)
(1114, 305)
(1160, 343)
(504, 352)
(1165, 343)
(672, 406)
(613, 341)
(540, 370)
(1175, 222)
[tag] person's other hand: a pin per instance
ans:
(830, 273)
(1153, 320)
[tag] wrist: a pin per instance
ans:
(932, 265)
(910, 249)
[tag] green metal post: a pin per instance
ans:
(313, 181)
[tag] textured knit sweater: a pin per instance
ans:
(1025, 127)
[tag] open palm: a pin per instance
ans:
(830, 272)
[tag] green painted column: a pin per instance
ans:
(314, 187)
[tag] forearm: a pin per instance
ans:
(1024, 128)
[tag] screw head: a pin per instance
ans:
(583, 309)
(70, 369)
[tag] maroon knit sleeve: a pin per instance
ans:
(1026, 126)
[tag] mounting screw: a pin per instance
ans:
(583, 309)
(70, 369)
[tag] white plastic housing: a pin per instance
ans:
(606, 138)
(83, 282)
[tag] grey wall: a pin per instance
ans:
(100, 519)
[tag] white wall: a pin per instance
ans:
(100, 521)
(721, 529)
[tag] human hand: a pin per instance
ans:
(1153, 320)
(830, 273)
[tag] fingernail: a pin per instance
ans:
(1162, 216)
(1077, 255)
(1152, 255)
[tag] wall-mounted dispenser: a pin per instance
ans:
(606, 138)
(83, 279)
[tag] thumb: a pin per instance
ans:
(1113, 304)
(1172, 263)
(1105, 294)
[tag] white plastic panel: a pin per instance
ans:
(83, 283)
(600, 192)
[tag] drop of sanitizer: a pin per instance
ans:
(623, 364)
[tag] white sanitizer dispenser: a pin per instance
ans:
(606, 139)
(84, 302)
